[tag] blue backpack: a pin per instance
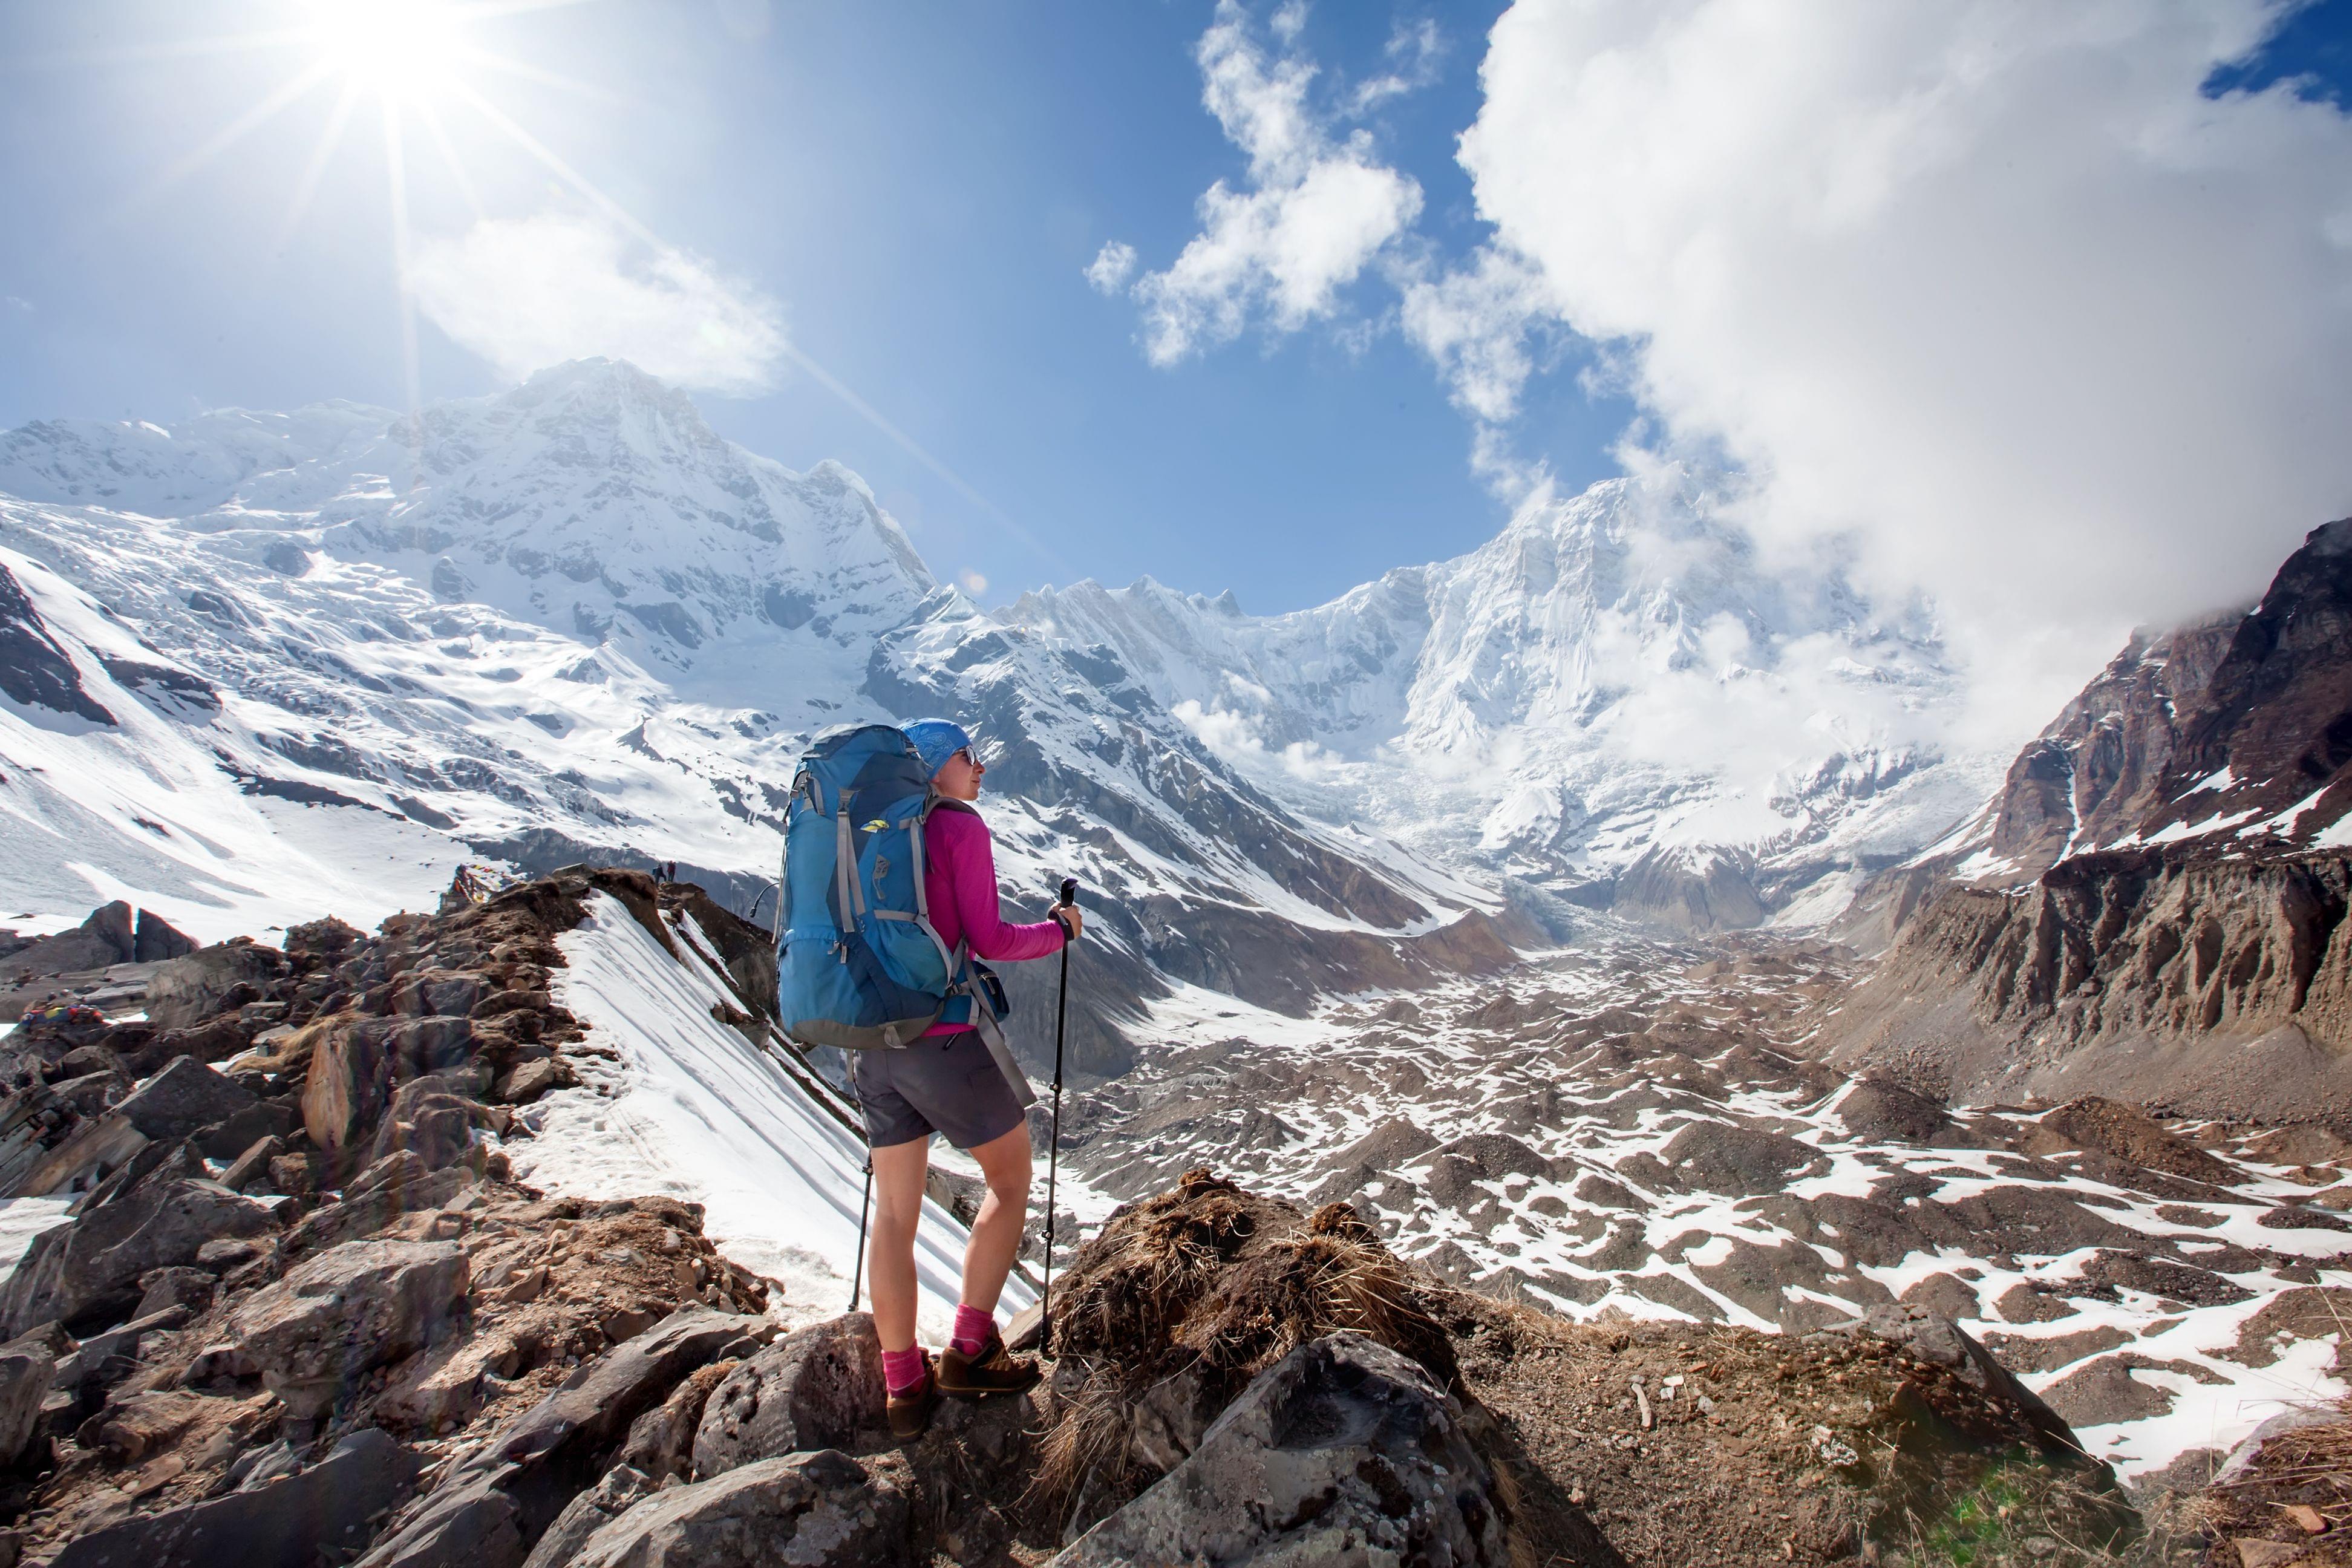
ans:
(858, 962)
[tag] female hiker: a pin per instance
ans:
(947, 1082)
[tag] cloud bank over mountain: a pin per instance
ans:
(1999, 289)
(2006, 297)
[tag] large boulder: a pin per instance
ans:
(155, 1212)
(1344, 1452)
(349, 1082)
(323, 1512)
(806, 1510)
(1941, 1342)
(184, 1098)
(156, 940)
(357, 1062)
(815, 1388)
(103, 941)
(495, 1502)
(353, 1307)
(191, 988)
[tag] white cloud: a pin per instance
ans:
(1318, 206)
(16, 304)
(1414, 51)
(528, 292)
(1113, 265)
(1991, 287)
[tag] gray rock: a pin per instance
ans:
(252, 1164)
(812, 1389)
(530, 1081)
(377, 1197)
(91, 1093)
(284, 1523)
(448, 993)
(103, 941)
(157, 1212)
(623, 1487)
(157, 939)
(2240, 1462)
(80, 1160)
(808, 1511)
(90, 1359)
(190, 989)
(1940, 1340)
(184, 1097)
(502, 1498)
(660, 1443)
(181, 1286)
(1343, 1453)
(349, 1309)
(26, 1371)
(226, 1139)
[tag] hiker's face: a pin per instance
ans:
(959, 777)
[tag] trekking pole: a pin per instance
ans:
(1054, 1145)
(857, 1269)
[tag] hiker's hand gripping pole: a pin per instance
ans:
(1070, 899)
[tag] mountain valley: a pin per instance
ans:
(1595, 941)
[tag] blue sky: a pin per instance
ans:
(914, 194)
(919, 188)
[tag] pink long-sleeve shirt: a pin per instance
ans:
(959, 880)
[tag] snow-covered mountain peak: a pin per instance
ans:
(591, 500)
(1612, 672)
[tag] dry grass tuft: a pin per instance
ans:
(1185, 1298)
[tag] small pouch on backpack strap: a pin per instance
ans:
(991, 1035)
(988, 1004)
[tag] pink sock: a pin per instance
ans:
(902, 1371)
(973, 1328)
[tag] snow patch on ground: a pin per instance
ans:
(22, 1219)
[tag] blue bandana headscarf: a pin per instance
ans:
(937, 740)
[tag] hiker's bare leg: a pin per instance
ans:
(890, 1253)
(996, 1234)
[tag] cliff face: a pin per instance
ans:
(2154, 902)
(2209, 986)
(2272, 737)
(2098, 769)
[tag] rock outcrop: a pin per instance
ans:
(2154, 903)
(1343, 1451)
(2200, 984)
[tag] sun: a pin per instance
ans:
(396, 48)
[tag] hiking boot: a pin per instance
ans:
(990, 1370)
(911, 1413)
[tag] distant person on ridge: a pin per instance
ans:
(947, 1082)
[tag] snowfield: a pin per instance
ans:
(683, 1106)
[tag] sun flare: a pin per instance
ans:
(398, 48)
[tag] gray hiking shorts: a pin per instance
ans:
(942, 1083)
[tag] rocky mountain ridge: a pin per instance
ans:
(2156, 899)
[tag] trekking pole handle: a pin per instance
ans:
(1069, 889)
